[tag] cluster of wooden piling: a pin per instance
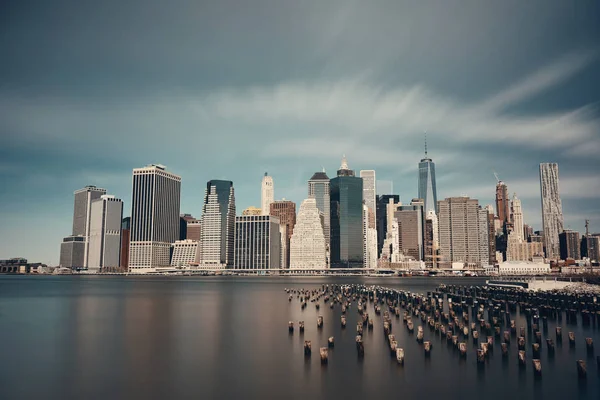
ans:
(465, 319)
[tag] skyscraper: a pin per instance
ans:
(569, 245)
(517, 219)
(218, 225)
(257, 242)
(461, 231)
(125, 232)
(381, 220)
(369, 238)
(194, 230)
(552, 216)
(491, 235)
(427, 188)
(82, 213)
(502, 202)
(346, 219)
(106, 215)
(154, 218)
(285, 211)
(267, 194)
(369, 189)
(319, 189)
(430, 239)
(410, 229)
(307, 245)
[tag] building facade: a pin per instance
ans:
(154, 218)
(125, 232)
(185, 253)
(81, 214)
(517, 218)
(427, 186)
(285, 211)
(410, 230)
(267, 194)
(552, 215)
(369, 189)
(257, 242)
(72, 252)
(346, 248)
(218, 226)
(307, 244)
(369, 238)
(319, 189)
(502, 202)
(569, 245)
(106, 216)
(382, 219)
(252, 211)
(194, 230)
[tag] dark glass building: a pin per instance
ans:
(346, 238)
(381, 221)
(427, 189)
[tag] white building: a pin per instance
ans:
(257, 242)
(267, 194)
(106, 214)
(82, 214)
(484, 243)
(369, 238)
(369, 190)
(318, 188)
(552, 215)
(517, 218)
(307, 245)
(218, 226)
(154, 218)
(185, 253)
(523, 268)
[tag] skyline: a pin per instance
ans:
(289, 96)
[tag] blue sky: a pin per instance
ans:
(229, 90)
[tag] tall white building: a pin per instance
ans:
(318, 189)
(369, 190)
(517, 218)
(307, 245)
(154, 218)
(185, 253)
(267, 194)
(82, 214)
(370, 238)
(106, 214)
(552, 215)
(460, 230)
(218, 226)
(257, 242)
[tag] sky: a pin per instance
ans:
(231, 89)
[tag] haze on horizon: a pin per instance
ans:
(229, 90)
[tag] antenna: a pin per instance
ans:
(425, 132)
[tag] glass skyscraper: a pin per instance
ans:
(346, 194)
(427, 190)
(218, 225)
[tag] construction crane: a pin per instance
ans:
(496, 175)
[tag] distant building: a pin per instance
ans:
(72, 252)
(502, 202)
(319, 189)
(491, 235)
(185, 253)
(307, 245)
(410, 229)
(257, 242)
(552, 215)
(106, 216)
(125, 231)
(431, 241)
(194, 230)
(593, 247)
(527, 232)
(569, 245)
(267, 194)
(285, 211)
(218, 225)
(427, 186)
(369, 238)
(183, 223)
(369, 189)
(517, 218)
(523, 268)
(382, 220)
(154, 218)
(346, 219)
(252, 211)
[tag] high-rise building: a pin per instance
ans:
(593, 247)
(569, 245)
(185, 253)
(460, 230)
(252, 211)
(125, 232)
(285, 211)
(154, 218)
(527, 232)
(484, 243)
(502, 202)
(346, 219)
(72, 252)
(257, 242)
(517, 218)
(491, 235)
(429, 240)
(194, 230)
(319, 189)
(218, 225)
(369, 238)
(552, 215)
(427, 188)
(106, 215)
(267, 194)
(81, 215)
(381, 219)
(369, 189)
(183, 224)
(410, 229)
(307, 245)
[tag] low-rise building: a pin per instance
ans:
(523, 268)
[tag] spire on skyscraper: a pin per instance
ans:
(344, 163)
(344, 170)
(425, 144)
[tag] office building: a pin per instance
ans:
(427, 187)
(185, 253)
(267, 194)
(194, 230)
(484, 243)
(106, 215)
(410, 229)
(154, 218)
(257, 242)
(81, 215)
(502, 202)
(218, 226)
(369, 189)
(369, 238)
(491, 235)
(285, 211)
(346, 248)
(183, 224)
(72, 252)
(593, 247)
(461, 232)
(252, 211)
(552, 215)
(569, 245)
(517, 218)
(307, 244)
(527, 232)
(125, 232)
(319, 189)
(382, 219)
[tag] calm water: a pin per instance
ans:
(179, 338)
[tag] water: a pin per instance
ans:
(74, 337)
